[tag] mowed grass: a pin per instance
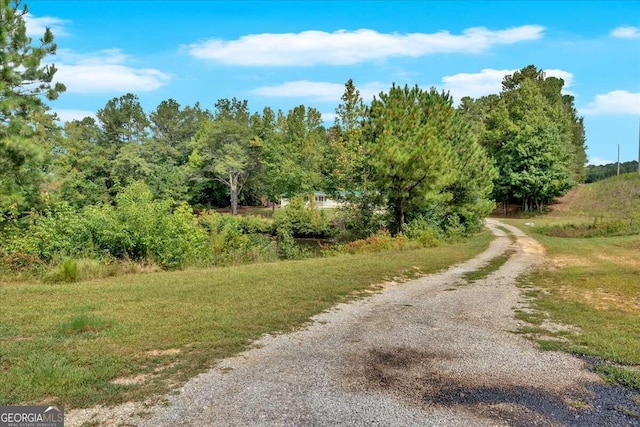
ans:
(135, 337)
(592, 283)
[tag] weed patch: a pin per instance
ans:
(624, 376)
(84, 323)
(493, 265)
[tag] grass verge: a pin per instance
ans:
(133, 337)
(491, 266)
(593, 285)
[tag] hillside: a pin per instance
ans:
(600, 172)
(612, 198)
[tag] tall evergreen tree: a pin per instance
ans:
(24, 120)
(123, 120)
(409, 151)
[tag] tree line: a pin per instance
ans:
(599, 172)
(410, 156)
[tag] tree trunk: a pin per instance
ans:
(400, 215)
(233, 186)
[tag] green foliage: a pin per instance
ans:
(123, 120)
(303, 221)
(288, 248)
(536, 138)
(65, 272)
(137, 228)
(294, 152)
(360, 217)
(600, 172)
(238, 240)
(56, 233)
(225, 149)
(626, 377)
(24, 119)
(349, 156)
(141, 228)
(424, 231)
(409, 152)
(379, 242)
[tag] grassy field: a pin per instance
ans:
(133, 337)
(591, 283)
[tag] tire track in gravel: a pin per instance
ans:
(432, 351)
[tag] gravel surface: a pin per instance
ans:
(433, 351)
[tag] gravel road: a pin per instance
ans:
(433, 351)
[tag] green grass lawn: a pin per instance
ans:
(594, 285)
(132, 337)
(592, 280)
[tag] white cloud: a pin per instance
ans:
(67, 115)
(475, 85)
(106, 71)
(302, 88)
(36, 26)
(489, 81)
(329, 117)
(626, 32)
(561, 74)
(344, 47)
(597, 161)
(615, 102)
(319, 91)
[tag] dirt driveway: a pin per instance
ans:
(433, 351)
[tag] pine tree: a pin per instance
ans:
(24, 118)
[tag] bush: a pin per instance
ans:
(381, 241)
(140, 228)
(423, 232)
(19, 265)
(303, 221)
(137, 228)
(56, 233)
(288, 248)
(237, 240)
(360, 217)
(66, 272)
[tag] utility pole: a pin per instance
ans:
(618, 159)
(638, 146)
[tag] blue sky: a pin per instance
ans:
(283, 54)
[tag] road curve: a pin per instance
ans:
(433, 351)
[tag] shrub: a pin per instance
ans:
(303, 221)
(66, 271)
(381, 241)
(137, 228)
(56, 233)
(423, 232)
(21, 263)
(140, 228)
(288, 248)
